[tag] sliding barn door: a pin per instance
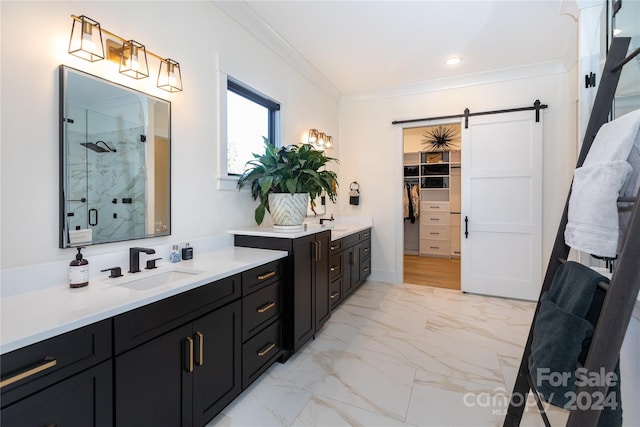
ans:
(502, 205)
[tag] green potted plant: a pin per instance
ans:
(285, 178)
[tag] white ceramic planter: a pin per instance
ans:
(288, 210)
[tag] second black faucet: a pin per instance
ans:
(134, 258)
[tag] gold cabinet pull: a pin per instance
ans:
(366, 249)
(366, 269)
(336, 246)
(49, 362)
(188, 354)
(266, 349)
(335, 267)
(335, 294)
(268, 306)
(199, 349)
(266, 275)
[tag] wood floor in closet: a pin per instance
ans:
(432, 271)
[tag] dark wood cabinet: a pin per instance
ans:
(183, 377)
(353, 254)
(306, 296)
(82, 400)
(64, 380)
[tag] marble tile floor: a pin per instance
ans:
(399, 355)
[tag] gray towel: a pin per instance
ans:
(562, 334)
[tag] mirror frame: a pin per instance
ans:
(63, 167)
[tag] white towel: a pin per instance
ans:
(593, 225)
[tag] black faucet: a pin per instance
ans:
(134, 258)
(322, 220)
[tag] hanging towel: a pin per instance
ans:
(561, 337)
(593, 224)
(405, 202)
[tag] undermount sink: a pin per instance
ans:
(160, 278)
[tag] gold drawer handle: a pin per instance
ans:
(334, 247)
(188, 354)
(267, 275)
(49, 362)
(266, 307)
(335, 267)
(267, 349)
(334, 295)
(365, 269)
(366, 249)
(200, 349)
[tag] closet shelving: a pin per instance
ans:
(438, 175)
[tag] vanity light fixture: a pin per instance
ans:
(319, 139)
(86, 39)
(131, 56)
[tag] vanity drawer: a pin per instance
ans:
(259, 277)
(260, 352)
(261, 307)
(365, 234)
(350, 240)
(335, 266)
(365, 249)
(335, 292)
(435, 233)
(365, 269)
(434, 207)
(32, 368)
(435, 219)
(336, 246)
(145, 323)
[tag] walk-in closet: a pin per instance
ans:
(431, 204)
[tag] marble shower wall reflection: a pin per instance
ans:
(106, 181)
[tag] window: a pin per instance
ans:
(250, 117)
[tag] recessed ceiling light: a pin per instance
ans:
(453, 60)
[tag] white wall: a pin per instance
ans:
(372, 148)
(35, 36)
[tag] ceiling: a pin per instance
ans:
(364, 47)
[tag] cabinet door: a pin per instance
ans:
(217, 358)
(82, 400)
(150, 380)
(303, 306)
(323, 297)
(348, 268)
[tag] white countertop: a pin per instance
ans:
(35, 315)
(340, 227)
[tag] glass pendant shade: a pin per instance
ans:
(328, 141)
(169, 76)
(133, 62)
(313, 136)
(321, 139)
(86, 39)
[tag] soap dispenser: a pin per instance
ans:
(79, 271)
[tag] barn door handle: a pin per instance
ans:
(466, 227)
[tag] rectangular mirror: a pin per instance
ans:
(115, 162)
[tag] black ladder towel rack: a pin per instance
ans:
(623, 289)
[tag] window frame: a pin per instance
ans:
(253, 95)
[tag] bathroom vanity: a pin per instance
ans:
(173, 345)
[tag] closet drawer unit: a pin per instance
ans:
(435, 233)
(435, 247)
(438, 219)
(260, 307)
(259, 277)
(260, 352)
(335, 266)
(429, 207)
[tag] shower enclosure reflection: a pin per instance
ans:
(115, 162)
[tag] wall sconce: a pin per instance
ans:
(129, 54)
(319, 139)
